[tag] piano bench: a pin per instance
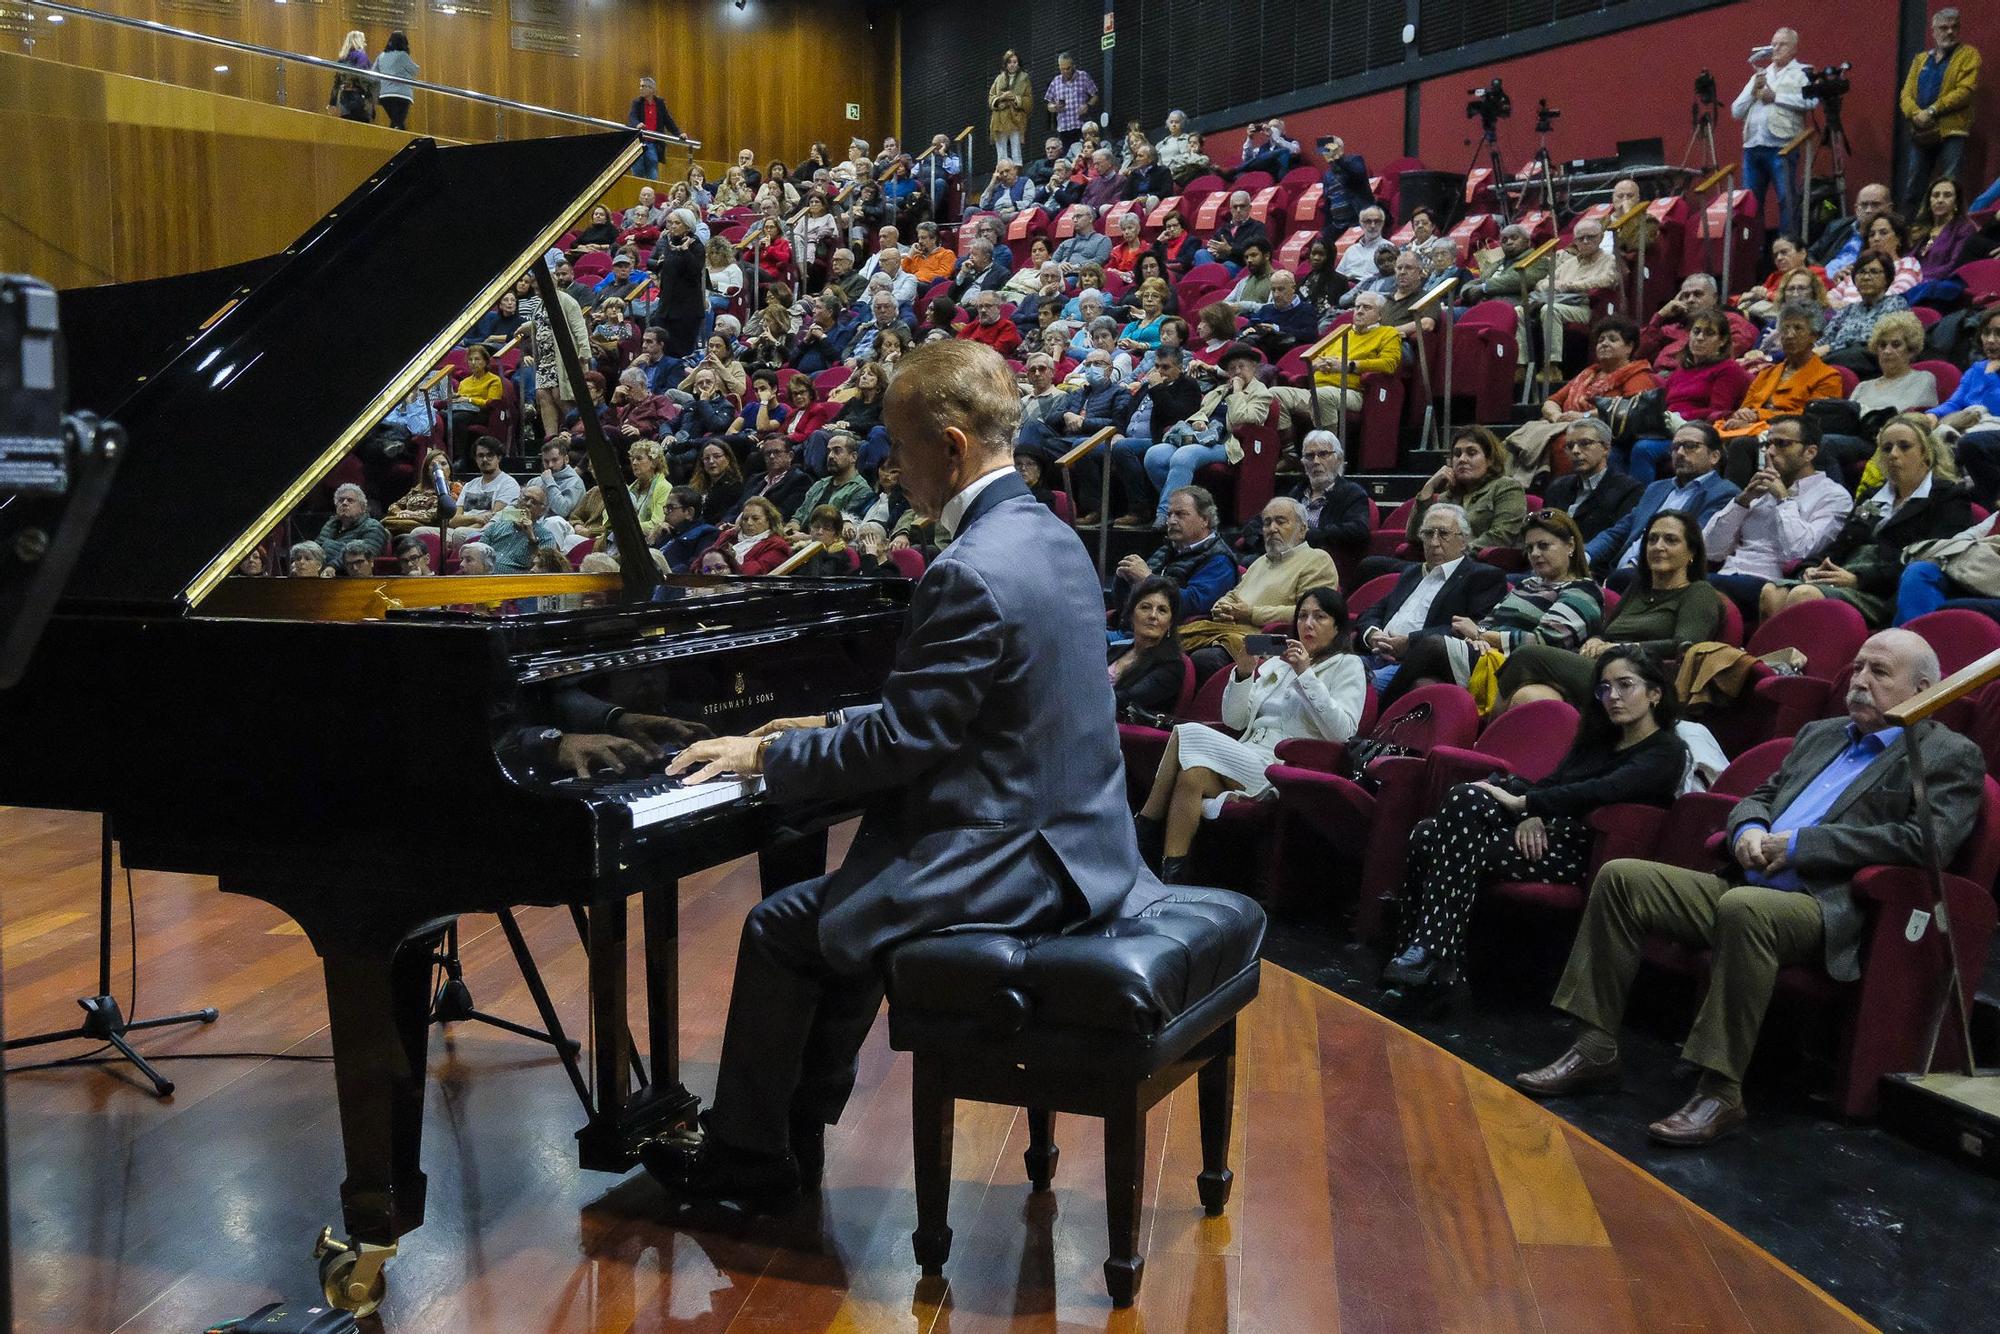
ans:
(1104, 1021)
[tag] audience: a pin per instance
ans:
(1315, 689)
(1668, 605)
(1593, 493)
(1920, 499)
(1785, 515)
(1339, 514)
(1614, 373)
(1626, 750)
(1557, 604)
(1267, 591)
(1842, 799)
(1475, 480)
(1695, 487)
(1193, 556)
(1147, 674)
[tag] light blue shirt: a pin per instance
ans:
(1811, 805)
(1682, 497)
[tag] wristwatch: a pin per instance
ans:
(834, 717)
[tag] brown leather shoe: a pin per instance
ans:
(1704, 1120)
(1571, 1072)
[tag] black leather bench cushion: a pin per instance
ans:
(1134, 974)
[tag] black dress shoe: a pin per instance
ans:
(697, 1169)
(1419, 1000)
(1151, 835)
(1171, 869)
(1414, 967)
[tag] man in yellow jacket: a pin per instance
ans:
(1937, 102)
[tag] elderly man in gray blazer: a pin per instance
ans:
(975, 819)
(1840, 801)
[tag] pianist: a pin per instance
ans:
(972, 818)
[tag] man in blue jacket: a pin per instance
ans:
(1696, 489)
(973, 818)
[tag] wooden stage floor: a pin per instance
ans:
(1381, 1184)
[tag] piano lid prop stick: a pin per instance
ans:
(635, 565)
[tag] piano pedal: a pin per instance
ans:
(352, 1277)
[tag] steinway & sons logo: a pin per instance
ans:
(743, 698)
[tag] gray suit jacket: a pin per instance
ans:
(1873, 822)
(997, 789)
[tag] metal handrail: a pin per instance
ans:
(341, 67)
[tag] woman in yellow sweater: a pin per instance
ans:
(476, 392)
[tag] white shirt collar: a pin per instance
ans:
(1894, 505)
(955, 508)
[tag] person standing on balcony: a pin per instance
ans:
(649, 112)
(395, 66)
(353, 95)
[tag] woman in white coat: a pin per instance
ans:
(1316, 689)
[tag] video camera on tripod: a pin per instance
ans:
(1491, 104)
(1829, 83)
(55, 468)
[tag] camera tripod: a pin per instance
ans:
(1489, 147)
(1703, 138)
(1832, 136)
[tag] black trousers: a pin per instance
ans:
(398, 111)
(1468, 845)
(795, 1028)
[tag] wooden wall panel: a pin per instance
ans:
(113, 179)
(773, 76)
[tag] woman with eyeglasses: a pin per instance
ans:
(1920, 499)
(1626, 750)
(1844, 340)
(1558, 604)
(1317, 688)
(1669, 605)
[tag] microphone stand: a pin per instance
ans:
(103, 1021)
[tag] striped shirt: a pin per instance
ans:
(1538, 611)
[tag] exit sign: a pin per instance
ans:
(854, 111)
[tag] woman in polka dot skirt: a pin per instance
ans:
(1625, 751)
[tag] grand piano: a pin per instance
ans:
(327, 745)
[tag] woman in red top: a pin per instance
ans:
(775, 260)
(1707, 386)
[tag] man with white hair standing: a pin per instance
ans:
(351, 525)
(1772, 107)
(1839, 802)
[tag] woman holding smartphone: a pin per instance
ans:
(1311, 685)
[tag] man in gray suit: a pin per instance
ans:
(1840, 801)
(996, 793)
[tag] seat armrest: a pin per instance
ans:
(1626, 829)
(1329, 757)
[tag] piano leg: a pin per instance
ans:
(623, 1120)
(378, 1011)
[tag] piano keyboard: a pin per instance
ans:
(655, 798)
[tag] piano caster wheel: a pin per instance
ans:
(353, 1278)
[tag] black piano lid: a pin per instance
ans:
(235, 411)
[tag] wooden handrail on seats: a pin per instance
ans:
(1086, 447)
(1714, 178)
(800, 557)
(1541, 251)
(1948, 691)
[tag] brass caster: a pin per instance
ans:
(352, 1278)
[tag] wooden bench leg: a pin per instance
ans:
(1124, 1175)
(1215, 1088)
(931, 1111)
(1043, 1153)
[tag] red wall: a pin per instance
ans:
(1640, 82)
